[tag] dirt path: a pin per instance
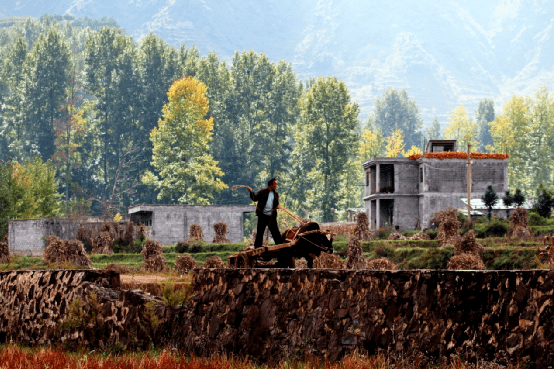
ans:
(142, 279)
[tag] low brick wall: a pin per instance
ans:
(274, 314)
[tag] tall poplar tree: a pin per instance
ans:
(327, 137)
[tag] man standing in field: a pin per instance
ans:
(266, 211)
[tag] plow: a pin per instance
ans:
(306, 241)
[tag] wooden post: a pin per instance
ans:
(468, 183)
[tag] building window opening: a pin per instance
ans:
(372, 179)
(386, 178)
(387, 212)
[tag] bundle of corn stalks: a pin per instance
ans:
(421, 236)
(355, 255)
(467, 244)
(340, 229)
(196, 235)
(449, 226)
(62, 251)
(381, 264)
(121, 269)
(328, 261)
(220, 233)
(520, 224)
(301, 264)
(362, 227)
(214, 261)
(396, 236)
(467, 253)
(84, 234)
(184, 264)
(103, 243)
(252, 239)
(4, 250)
(466, 262)
(153, 257)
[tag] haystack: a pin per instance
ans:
(355, 258)
(520, 224)
(220, 233)
(62, 251)
(381, 264)
(121, 269)
(153, 256)
(466, 262)
(396, 236)
(449, 226)
(252, 239)
(4, 250)
(468, 245)
(301, 264)
(103, 243)
(362, 227)
(328, 261)
(128, 234)
(214, 261)
(421, 236)
(84, 234)
(184, 264)
(196, 235)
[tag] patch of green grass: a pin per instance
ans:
(26, 262)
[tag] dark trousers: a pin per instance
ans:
(263, 222)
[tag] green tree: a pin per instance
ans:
(508, 201)
(544, 203)
(519, 198)
(28, 191)
(490, 198)
(48, 73)
(394, 110)
(12, 76)
(181, 147)
(326, 136)
(483, 115)
(433, 132)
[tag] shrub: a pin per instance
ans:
(182, 247)
(173, 296)
(493, 228)
(536, 220)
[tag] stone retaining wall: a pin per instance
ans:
(271, 315)
(34, 304)
(507, 316)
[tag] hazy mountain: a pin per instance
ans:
(443, 53)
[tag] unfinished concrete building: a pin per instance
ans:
(404, 193)
(171, 223)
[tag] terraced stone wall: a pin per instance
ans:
(274, 314)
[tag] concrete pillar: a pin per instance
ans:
(369, 214)
(378, 214)
(377, 178)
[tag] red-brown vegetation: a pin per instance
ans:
(13, 357)
(458, 155)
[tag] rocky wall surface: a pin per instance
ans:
(34, 304)
(275, 314)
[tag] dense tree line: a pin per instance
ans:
(86, 96)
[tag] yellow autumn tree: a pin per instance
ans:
(371, 145)
(186, 170)
(461, 128)
(414, 150)
(395, 143)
